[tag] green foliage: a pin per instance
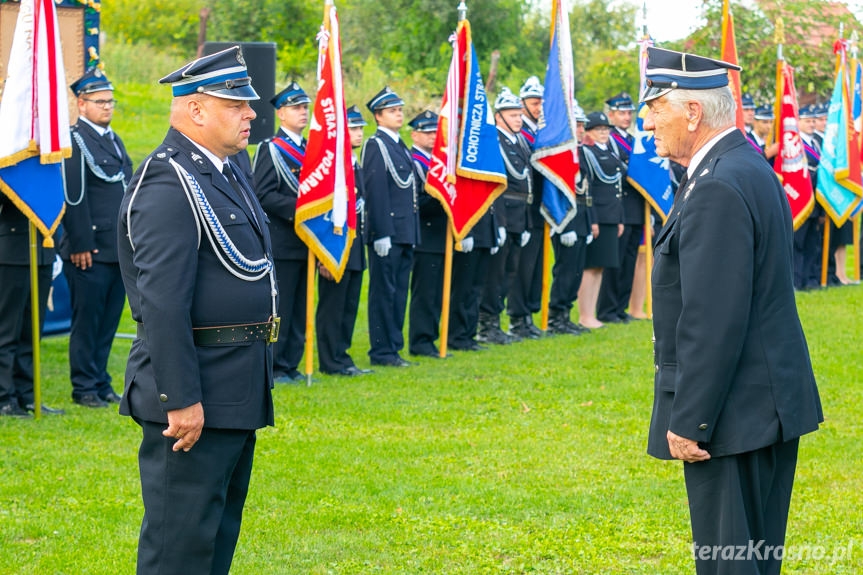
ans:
(163, 23)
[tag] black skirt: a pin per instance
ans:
(603, 251)
(843, 236)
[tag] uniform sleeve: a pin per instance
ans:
(375, 179)
(267, 186)
(77, 224)
(164, 235)
(716, 280)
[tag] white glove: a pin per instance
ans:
(501, 236)
(588, 239)
(57, 268)
(382, 246)
(568, 239)
(467, 245)
(494, 250)
(525, 237)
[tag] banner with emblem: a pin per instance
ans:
(790, 164)
(466, 173)
(34, 118)
(555, 153)
(326, 217)
(857, 115)
(839, 183)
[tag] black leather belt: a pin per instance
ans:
(247, 332)
(580, 200)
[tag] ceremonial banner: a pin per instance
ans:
(34, 119)
(729, 54)
(839, 171)
(467, 172)
(648, 172)
(326, 218)
(555, 153)
(857, 114)
(790, 164)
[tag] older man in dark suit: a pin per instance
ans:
(734, 387)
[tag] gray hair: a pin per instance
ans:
(718, 105)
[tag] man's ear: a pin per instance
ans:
(693, 115)
(197, 111)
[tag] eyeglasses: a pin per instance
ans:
(102, 103)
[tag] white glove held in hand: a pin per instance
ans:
(501, 236)
(382, 246)
(467, 245)
(525, 237)
(568, 239)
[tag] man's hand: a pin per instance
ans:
(501, 236)
(525, 237)
(467, 245)
(185, 425)
(619, 230)
(594, 230)
(83, 260)
(382, 246)
(685, 449)
(325, 273)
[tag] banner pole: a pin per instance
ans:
(310, 317)
(648, 261)
(546, 277)
(825, 251)
(857, 221)
(447, 290)
(34, 306)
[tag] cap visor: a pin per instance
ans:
(239, 93)
(653, 92)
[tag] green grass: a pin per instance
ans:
(523, 459)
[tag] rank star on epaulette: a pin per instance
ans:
(688, 191)
(196, 157)
(705, 172)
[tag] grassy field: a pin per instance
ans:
(523, 459)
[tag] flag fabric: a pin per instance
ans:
(555, 153)
(648, 172)
(34, 118)
(857, 114)
(466, 173)
(326, 217)
(790, 164)
(839, 184)
(729, 54)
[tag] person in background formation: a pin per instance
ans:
(391, 188)
(277, 166)
(748, 112)
(762, 132)
(198, 268)
(808, 243)
(733, 387)
(339, 302)
(617, 285)
(531, 94)
(604, 172)
(427, 277)
(570, 249)
(821, 111)
(96, 176)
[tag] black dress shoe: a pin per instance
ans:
(613, 319)
(12, 409)
(90, 400)
(111, 397)
(428, 352)
(395, 362)
(31, 407)
(354, 370)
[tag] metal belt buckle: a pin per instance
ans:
(274, 329)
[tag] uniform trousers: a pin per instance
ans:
(97, 299)
(16, 330)
(566, 273)
(617, 283)
(525, 282)
(737, 501)
(502, 267)
(426, 302)
(335, 318)
(468, 278)
(389, 280)
(291, 280)
(808, 244)
(193, 501)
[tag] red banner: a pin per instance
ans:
(791, 165)
(729, 54)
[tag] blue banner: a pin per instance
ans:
(648, 172)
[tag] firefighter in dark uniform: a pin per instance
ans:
(339, 302)
(277, 166)
(748, 111)
(617, 284)
(96, 176)
(16, 325)
(198, 268)
(392, 217)
(762, 129)
(427, 274)
(808, 238)
(733, 388)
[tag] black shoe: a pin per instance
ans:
(427, 352)
(12, 409)
(583, 328)
(398, 361)
(518, 327)
(111, 397)
(352, 371)
(90, 400)
(494, 336)
(31, 407)
(612, 319)
(293, 376)
(467, 346)
(528, 320)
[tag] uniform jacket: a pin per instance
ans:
(813, 159)
(607, 205)
(732, 368)
(513, 204)
(633, 201)
(433, 218)
(175, 282)
(391, 211)
(357, 257)
(15, 238)
(92, 204)
(278, 196)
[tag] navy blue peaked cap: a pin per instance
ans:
(670, 70)
(764, 113)
(93, 80)
(747, 102)
(822, 110)
(292, 95)
(355, 117)
(223, 75)
(810, 111)
(621, 102)
(424, 122)
(386, 98)
(596, 120)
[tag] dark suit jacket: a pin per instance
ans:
(92, 204)
(357, 257)
(175, 282)
(732, 364)
(632, 200)
(15, 238)
(279, 199)
(433, 218)
(512, 206)
(607, 206)
(392, 211)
